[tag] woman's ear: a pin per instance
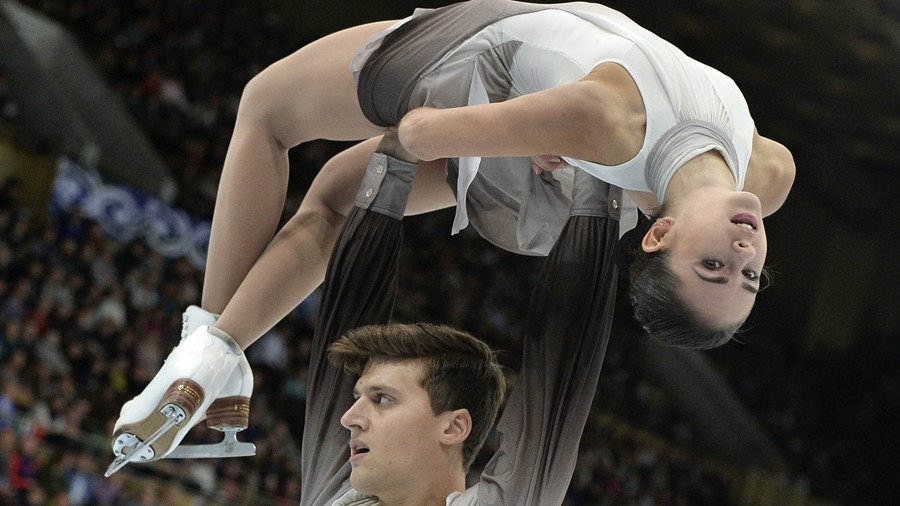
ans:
(458, 428)
(654, 239)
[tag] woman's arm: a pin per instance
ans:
(571, 120)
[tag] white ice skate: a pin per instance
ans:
(206, 375)
(230, 413)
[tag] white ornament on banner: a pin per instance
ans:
(127, 214)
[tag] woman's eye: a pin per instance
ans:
(751, 275)
(713, 265)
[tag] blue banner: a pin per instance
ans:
(127, 214)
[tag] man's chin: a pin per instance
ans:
(361, 483)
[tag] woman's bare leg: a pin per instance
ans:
(294, 263)
(307, 95)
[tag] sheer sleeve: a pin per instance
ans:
(359, 289)
(567, 330)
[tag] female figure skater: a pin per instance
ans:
(507, 99)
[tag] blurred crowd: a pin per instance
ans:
(832, 414)
(179, 67)
(9, 109)
(86, 323)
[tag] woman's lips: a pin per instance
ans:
(745, 219)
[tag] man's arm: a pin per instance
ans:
(359, 289)
(567, 329)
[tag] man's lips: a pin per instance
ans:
(357, 450)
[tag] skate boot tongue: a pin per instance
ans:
(193, 318)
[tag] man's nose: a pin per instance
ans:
(352, 417)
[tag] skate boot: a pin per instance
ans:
(193, 376)
(230, 413)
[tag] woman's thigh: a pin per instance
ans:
(311, 94)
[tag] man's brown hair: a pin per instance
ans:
(460, 371)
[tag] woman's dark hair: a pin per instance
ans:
(653, 291)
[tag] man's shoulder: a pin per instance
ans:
(354, 498)
(467, 497)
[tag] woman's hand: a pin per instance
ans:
(391, 146)
(409, 126)
(547, 163)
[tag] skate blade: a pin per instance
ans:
(228, 447)
(173, 417)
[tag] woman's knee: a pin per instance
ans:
(268, 101)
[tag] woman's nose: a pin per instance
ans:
(744, 247)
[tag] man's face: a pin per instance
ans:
(394, 436)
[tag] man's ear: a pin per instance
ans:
(458, 427)
(654, 239)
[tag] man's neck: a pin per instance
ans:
(433, 492)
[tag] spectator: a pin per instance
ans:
(23, 469)
(7, 449)
(112, 309)
(80, 483)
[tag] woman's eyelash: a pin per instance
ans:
(712, 264)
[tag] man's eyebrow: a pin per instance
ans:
(722, 280)
(375, 389)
